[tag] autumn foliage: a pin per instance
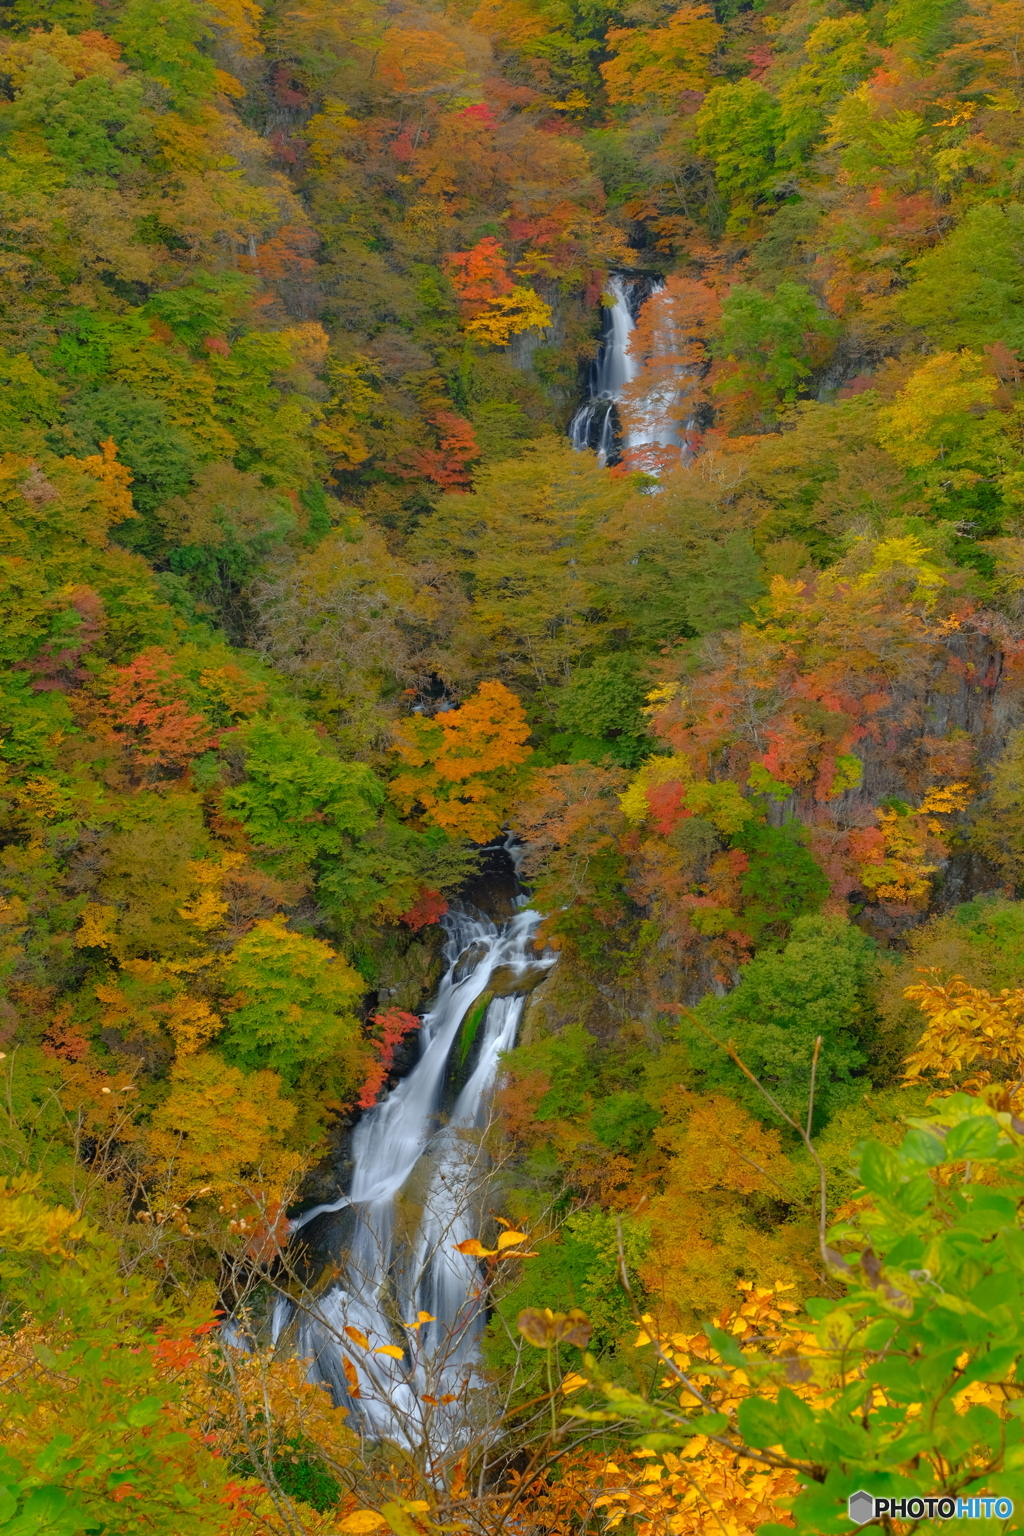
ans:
(296, 311)
(462, 766)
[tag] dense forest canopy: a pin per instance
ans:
(307, 599)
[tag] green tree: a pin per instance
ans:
(299, 1005)
(783, 880)
(159, 455)
(839, 54)
(737, 130)
(772, 338)
(969, 290)
(726, 581)
(816, 985)
(297, 802)
(600, 710)
(163, 41)
(90, 1423)
(523, 542)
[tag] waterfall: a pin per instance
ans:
(418, 1188)
(596, 423)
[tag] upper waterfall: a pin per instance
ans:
(600, 422)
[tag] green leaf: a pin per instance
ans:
(760, 1422)
(726, 1345)
(922, 1146)
(973, 1139)
(880, 1168)
(914, 1196)
(1011, 1241)
(143, 1413)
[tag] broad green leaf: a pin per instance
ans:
(760, 1422)
(880, 1168)
(976, 1138)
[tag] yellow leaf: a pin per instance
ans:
(421, 1318)
(392, 1350)
(357, 1336)
(507, 315)
(95, 931)
(475, 1248)
(362, 1522)
(510, 1239)
(573, 1382)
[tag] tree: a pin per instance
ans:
(998, 831)
(601, 706)
(298, 802)
(494, 308)
(945, 427)
(839, 53)
(525, 541)
(774, 340)
(816, 986)
(970, 1030)
(900, 1387)
(91, 1422)
(737, 130)
(145, 714)
(463, 767)
(218, 1136)
(967, 291)
(658, 64)
(297, 1006)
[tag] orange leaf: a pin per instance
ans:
(357, 1336)
(351, 1378)
(475, 1248)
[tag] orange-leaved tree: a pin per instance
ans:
(494, 309)
(463, 768)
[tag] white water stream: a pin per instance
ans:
(597, 422)
(419, 1187)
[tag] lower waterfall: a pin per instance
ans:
(419, 1187)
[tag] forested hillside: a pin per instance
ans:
(307, 600)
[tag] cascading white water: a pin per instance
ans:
(418, 1188)
(594, 424)
(650, 420)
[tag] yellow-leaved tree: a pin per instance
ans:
(973, 1036)
(657, 64)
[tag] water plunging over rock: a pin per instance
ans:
(418, 1188)
(598, 423)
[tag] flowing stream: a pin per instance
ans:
(419, 1187)
(597, 423)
